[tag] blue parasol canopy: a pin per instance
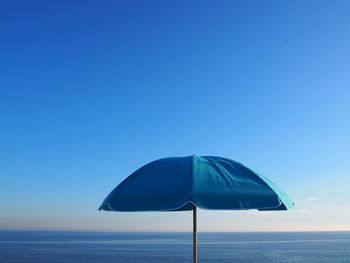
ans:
(208, 182)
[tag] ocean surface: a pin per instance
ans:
(86, 247)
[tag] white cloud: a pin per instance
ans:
(325, 191)
(302, 211)
(312, 198)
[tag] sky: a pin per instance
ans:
(90, 91)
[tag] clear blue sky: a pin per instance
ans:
(90, 91)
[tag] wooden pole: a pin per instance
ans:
(194, 234)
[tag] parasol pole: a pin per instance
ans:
(194, 234)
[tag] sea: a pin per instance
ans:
(94, 247)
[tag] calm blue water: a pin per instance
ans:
(83, 247)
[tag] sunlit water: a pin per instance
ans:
(84, 247)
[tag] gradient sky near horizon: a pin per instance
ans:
(90, 91)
